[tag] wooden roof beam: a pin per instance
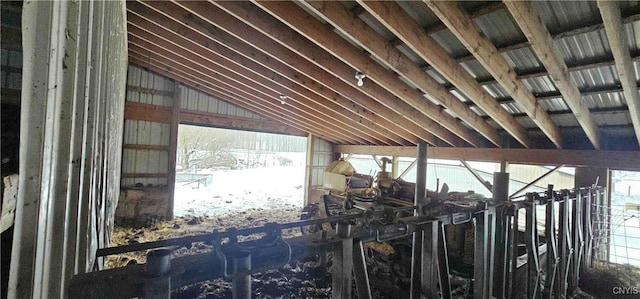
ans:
(206, 58)
(612, 20)
(241, 97)
(207, 69)
(392, 16)
(197, 84)
(541, 42)
(264, 23)
(351, 25)
(469, 33)
(276, 70)
(622, 160)
(321, 82)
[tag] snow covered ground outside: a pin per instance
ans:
(242, 189)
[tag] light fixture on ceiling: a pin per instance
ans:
(360, 76)
(283, 99)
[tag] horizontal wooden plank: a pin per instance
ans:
(233, 122)
(146, 147)
(622, 160)
(150, 91)
(147, 112)
(145, 175)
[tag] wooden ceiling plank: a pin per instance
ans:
(541, 42)
(301, 23)
(257, 19)
(351, 25)
(197, 83)
(461, 24)
(404, 27)
(612, 20)
(622, 160)
(324, 104)
(177, 59)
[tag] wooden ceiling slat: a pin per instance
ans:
(612, 20)
(403, 26)
(284, 35)
(351, 25)
(301, 23)
(196, 82)
(208, 71)
(323, 105)
(541, 42)
(461, 24)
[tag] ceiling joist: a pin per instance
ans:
(469, 33)
(394, 18)
(612, 19)
(541, 41)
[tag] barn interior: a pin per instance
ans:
(420, 149)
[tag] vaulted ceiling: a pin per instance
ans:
(513, 74)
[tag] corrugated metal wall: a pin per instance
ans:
(320, 155)
(73, 86)
(194, 100)
(152, 137)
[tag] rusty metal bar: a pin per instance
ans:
(443, 264)
(360, 271)
(531, 242)
(500, 195)
(552, 244)
(535, 181)
(482, 258)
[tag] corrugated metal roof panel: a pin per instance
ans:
(633, 35)
(565, 120)
(538, 85)
(512, 107)
(612, 118)
(556, 104)
(437, 76)
(419, 12)
(475, 69)
(450, 43)
(496, 90)
(604, 100)
(563, 14)
(527, 122)
(583, 46)
(478, 110)
(522, 59)
(377, 26)
(499, 27)
(590, 78)
(409, 53)
(461, 96)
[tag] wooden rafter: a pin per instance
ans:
(305, 24)
(321, 81)
(612, 20)
(351, 25)
(138, 44)
(541, 42)
(469, 33)
(623, 160)
(196, 82)
(262, 22)
(404, 27)
(210, 66)
(277, 71)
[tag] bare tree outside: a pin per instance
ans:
(201, 147)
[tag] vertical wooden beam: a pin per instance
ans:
(173, 148)
(612, 19)
(395, 167)
(308, 170)
(541, 41)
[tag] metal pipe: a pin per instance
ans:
(500, 192)
(360, 271)
(419, 201)
(421, 178)
(158, 285)
(241, 264)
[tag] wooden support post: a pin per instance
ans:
(395, 167)
(342, 269)
(173, 148)
(308, 170)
